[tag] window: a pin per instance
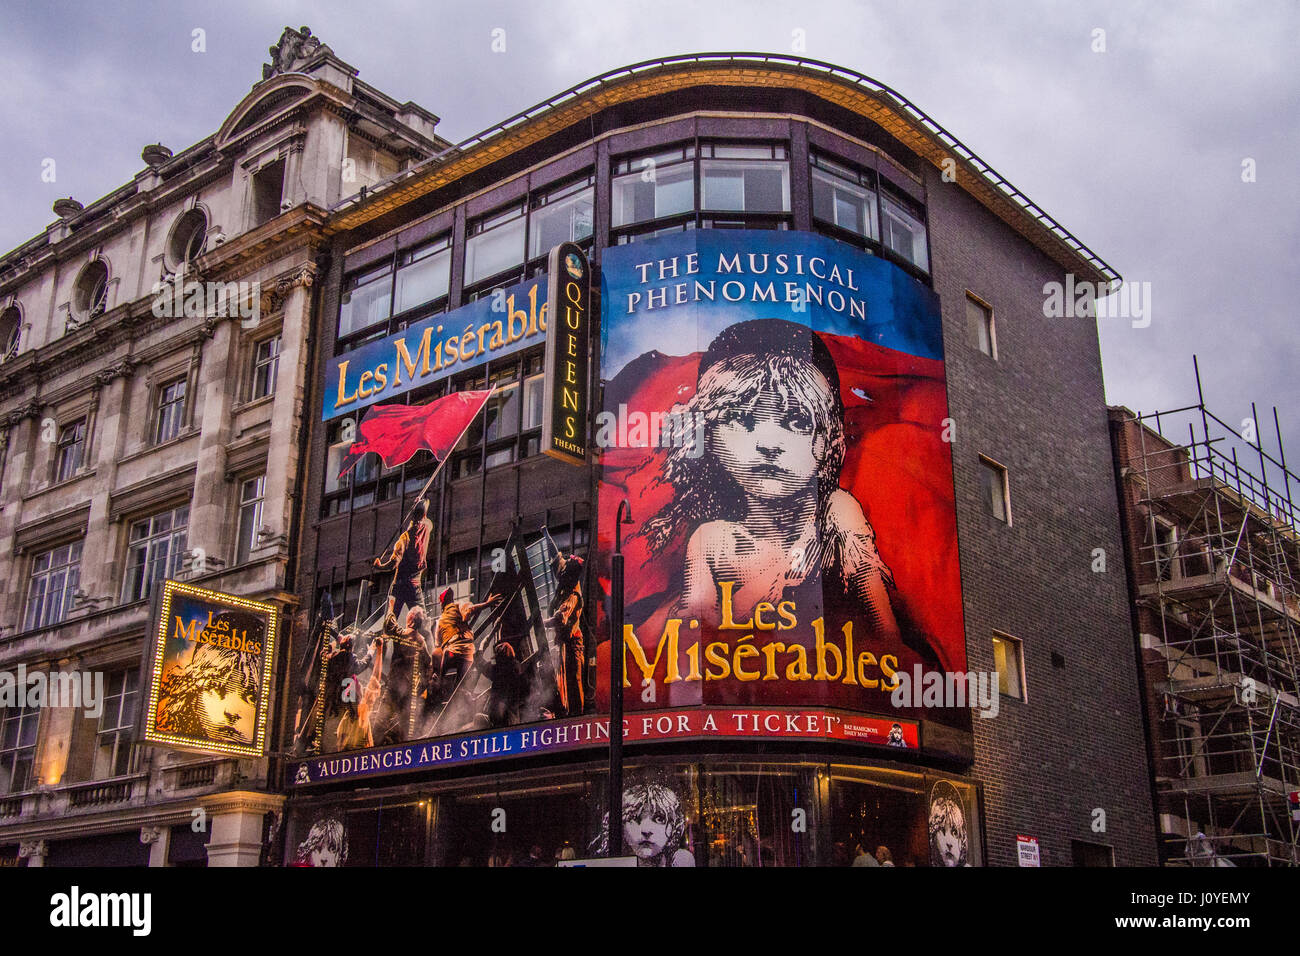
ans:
(750, 178)
(70, 450)
(424, 274)
(268, 189)
(55, 577)
(187, 239)
(655, 186)
(113, 750)
(1009, 663)
(1166, 551)
(11, 329)
(90, 293)
(562, 215)
(367, 299)
(266, 365)
(170, 416)
(904, 230)
(843, 197)
(17, 747)
(1092, 854)
(979, 326)
(512, 419)
(155, 551)
(994, 490)
(251, 494)
(495, 243)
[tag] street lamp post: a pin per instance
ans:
(615, 803)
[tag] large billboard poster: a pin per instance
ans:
(774, 412)
(211, 667)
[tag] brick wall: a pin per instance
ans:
(1077, 743)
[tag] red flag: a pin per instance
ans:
(396, 432)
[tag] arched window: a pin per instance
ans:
(90, 296)
(188, 238)
(11, 330)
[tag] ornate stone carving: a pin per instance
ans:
(294, 49)
(123, 369)
(39, 848)
(150, 834)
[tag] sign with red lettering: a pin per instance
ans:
(646, 727)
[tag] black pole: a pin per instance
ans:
(615, 802)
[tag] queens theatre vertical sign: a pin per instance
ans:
(565, 398)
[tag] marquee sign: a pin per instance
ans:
(211, 671)
(574, 734)
(432, 349)
(565, 400)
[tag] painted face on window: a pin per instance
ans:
(769, 448)
(647, 836)
(324, 856)
(230, 713)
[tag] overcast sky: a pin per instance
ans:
(1137, 150)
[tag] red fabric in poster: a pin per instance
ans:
(396, 432)
(897, 465)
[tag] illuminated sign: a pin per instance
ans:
(564, 404)
(211, 671)
(774, 409)
(659, 726)
(430, 350)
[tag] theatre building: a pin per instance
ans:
(794, 337)
(156, 350)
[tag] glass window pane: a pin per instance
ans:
(424, 280)
(904, 233)
(565, 220)
(365, 305)
(494, 251)
(503, 412)
(533, 390)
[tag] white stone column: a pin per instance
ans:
(282, 456)
(236, 838)
(100, 570)
(210, 508)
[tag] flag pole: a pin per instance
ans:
(393, 537)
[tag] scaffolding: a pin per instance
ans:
(1218, 563)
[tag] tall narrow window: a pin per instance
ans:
(1008, 661)
(17, 747)
(56, 575)
(113, 751)
(71, 450)
(268, 189)
(11, 328)
(251, 494)
(170, 413)
(155, 550)
(266, 365)
(993, 480)
(979, 326)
